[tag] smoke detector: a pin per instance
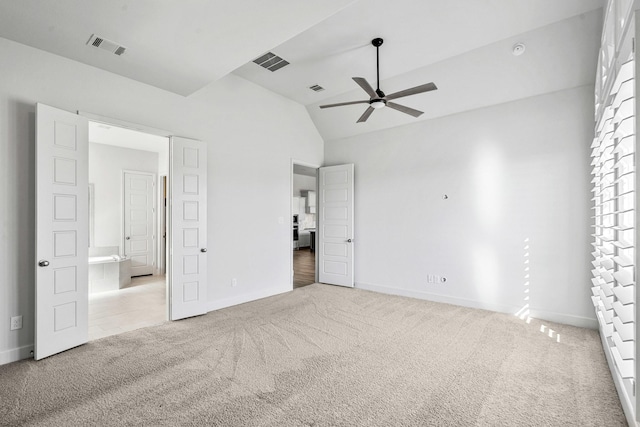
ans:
(518, 49)
(104, 44)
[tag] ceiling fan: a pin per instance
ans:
(378, 98)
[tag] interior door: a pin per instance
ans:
(62, 231)
(335, 236)
(188, 228)
(138, 221)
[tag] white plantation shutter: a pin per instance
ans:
(614, 180)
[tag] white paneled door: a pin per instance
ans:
(188, 233)
(138, 221)
(62, 231)
(335, 236)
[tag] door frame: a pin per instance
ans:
(154, 215)
(290, 222)
(163, 223)
(110, 121)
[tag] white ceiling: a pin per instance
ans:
(464, 46)
(100, 133)
(180, 46)
(559, 56)
(304, 170)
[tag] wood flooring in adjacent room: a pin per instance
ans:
(141, 304)
(304, 267)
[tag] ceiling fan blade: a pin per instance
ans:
(407, 110)
(414, 90)
(364, 84)
(363, 118)
(344, 103)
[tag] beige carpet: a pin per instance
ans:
(323, 356)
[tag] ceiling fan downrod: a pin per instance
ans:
(377, 42)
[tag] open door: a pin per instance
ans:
(188, 233)
(335, 236)
(62, 231)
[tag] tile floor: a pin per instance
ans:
(141, 304)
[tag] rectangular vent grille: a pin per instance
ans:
(271, 61)
(316, 88)
(108, 45)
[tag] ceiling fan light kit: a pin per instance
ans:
(378, 99)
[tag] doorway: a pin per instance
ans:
(304, 221)
(63, 228)
(127, 284)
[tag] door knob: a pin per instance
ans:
(43, 263)
(203, 250)
(128, 238)
(349, 240)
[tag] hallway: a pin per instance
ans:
(304, 267)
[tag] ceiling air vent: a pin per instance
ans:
(271, 61)
(108, 45)
(316, 88)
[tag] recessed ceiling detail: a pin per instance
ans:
(271, 61)
(104, 44)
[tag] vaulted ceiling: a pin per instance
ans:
(464, 46)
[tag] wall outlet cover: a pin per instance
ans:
(16, 323)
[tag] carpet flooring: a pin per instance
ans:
(323, 356)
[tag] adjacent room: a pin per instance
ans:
(127, 229)
(303, 209)
(347, 212)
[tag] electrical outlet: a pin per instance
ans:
(234, 282)
(433, 278)
(16, 323)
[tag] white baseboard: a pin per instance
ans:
(16, 354)
(241, 299)
(583, 322)
(566, 319)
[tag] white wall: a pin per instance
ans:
(252, 134)
(106, 164)
(518, 184)
(303, 182)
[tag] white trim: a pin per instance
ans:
(583, 322)
(124, 124)
(625, 400)
(15, 354)
(92, 214)
(241, 299)
(565, 319)
(290, 230)
(162, 216)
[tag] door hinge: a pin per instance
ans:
(633, 44)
